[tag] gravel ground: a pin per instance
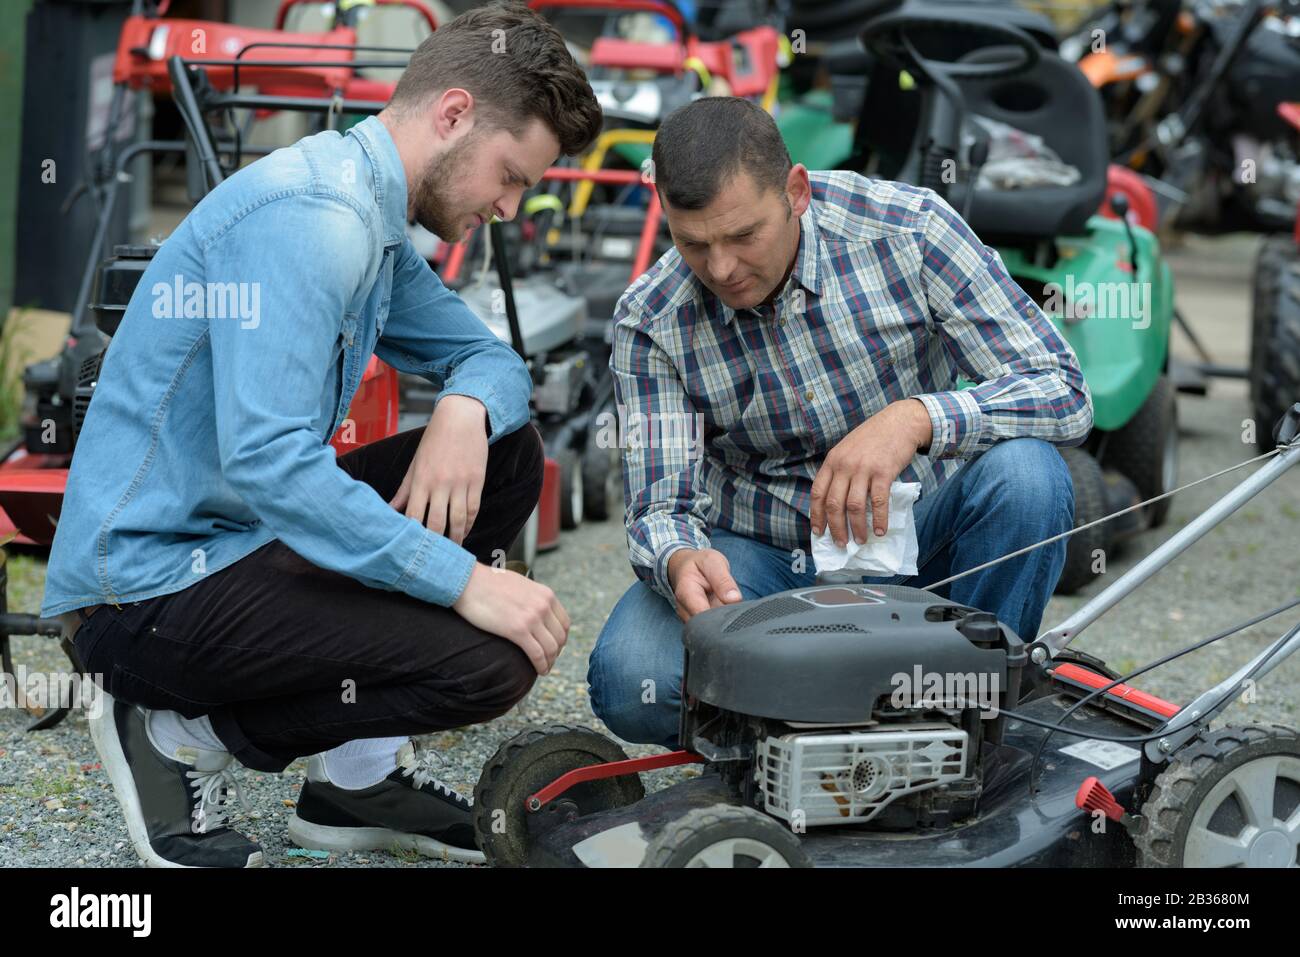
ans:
(57, 807)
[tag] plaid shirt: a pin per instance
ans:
(891, 296)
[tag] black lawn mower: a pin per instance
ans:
(859, 725)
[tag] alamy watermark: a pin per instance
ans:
(938, 689)
(179, 299)
(44, 689)
(629, 429)
(1076, 301)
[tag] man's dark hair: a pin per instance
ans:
(702, 145)
(515, 65)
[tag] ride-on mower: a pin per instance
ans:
(1101, 280)
(860, 725)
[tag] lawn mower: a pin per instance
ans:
(1101, 279)
(851, 724)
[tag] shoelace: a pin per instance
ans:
(423, 766)
(212, 790)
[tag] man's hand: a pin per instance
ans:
(518, 609)
(446, 474)
(701, 579)
(861, 468)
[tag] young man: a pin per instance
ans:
(245, 595)
(816, 325)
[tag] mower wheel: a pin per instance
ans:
(524, 547)
(1089, 505)
(1275, 336)
(1145, 449)
(725, 835)
(602, 474)
(526, 763)
(1229, 798)
(571, 488)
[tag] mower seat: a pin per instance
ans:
(1053, 100)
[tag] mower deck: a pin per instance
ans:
(1008, 832)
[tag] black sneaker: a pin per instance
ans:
(176, 807)
(410, 810)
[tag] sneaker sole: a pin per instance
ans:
(123, 781)
(322, 837)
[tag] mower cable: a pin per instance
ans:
(1105, 518)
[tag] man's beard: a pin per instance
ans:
(433, 193)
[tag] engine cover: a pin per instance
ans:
(827, 654)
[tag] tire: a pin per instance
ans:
(602, 474)
(725, 835)
(1200, 812)
(1089, 505)
(524, 547)
(528, 762)
(1275, 336)
(1145, 449)
(572, 489)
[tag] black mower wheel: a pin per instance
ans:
(528, 762)
(725, 835)
(1145, 449)
(1089, 505)
(1275, 336)
(602, 470)
(1223, 801)
(572, 489)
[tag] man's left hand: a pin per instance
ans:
(446, 475)
(861, 468)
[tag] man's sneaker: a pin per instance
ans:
(410, 809)
(175, 807)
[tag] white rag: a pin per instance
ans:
(893, 554)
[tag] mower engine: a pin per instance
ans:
(851, 704)
(58, 390)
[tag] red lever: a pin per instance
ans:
(1094, 796)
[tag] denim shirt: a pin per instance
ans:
(208, 435)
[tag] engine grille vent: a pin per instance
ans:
(767, 611)
(847, 778)
(814, 629)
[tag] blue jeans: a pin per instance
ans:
(1016, 493)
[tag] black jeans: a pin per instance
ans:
(287, 659)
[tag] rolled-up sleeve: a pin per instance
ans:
(666, 502)
(268, 382)
(432, 333)
(1028, 380)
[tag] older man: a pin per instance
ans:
(815, 325)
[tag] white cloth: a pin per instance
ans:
(894, 554)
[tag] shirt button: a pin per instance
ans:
(781, 321)
(808, 395)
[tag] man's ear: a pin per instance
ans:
(453, 113)
(798, 190)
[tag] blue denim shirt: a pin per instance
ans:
(209, 431)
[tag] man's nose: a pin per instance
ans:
(508, 206)
(721, 268)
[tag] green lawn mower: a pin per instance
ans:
(930, 69)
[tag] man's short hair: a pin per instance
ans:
(702, 145)
(515, 65)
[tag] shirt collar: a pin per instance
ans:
(389, 176)
(806, 265)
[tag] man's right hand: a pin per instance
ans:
(519, 610)
(701, 579)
